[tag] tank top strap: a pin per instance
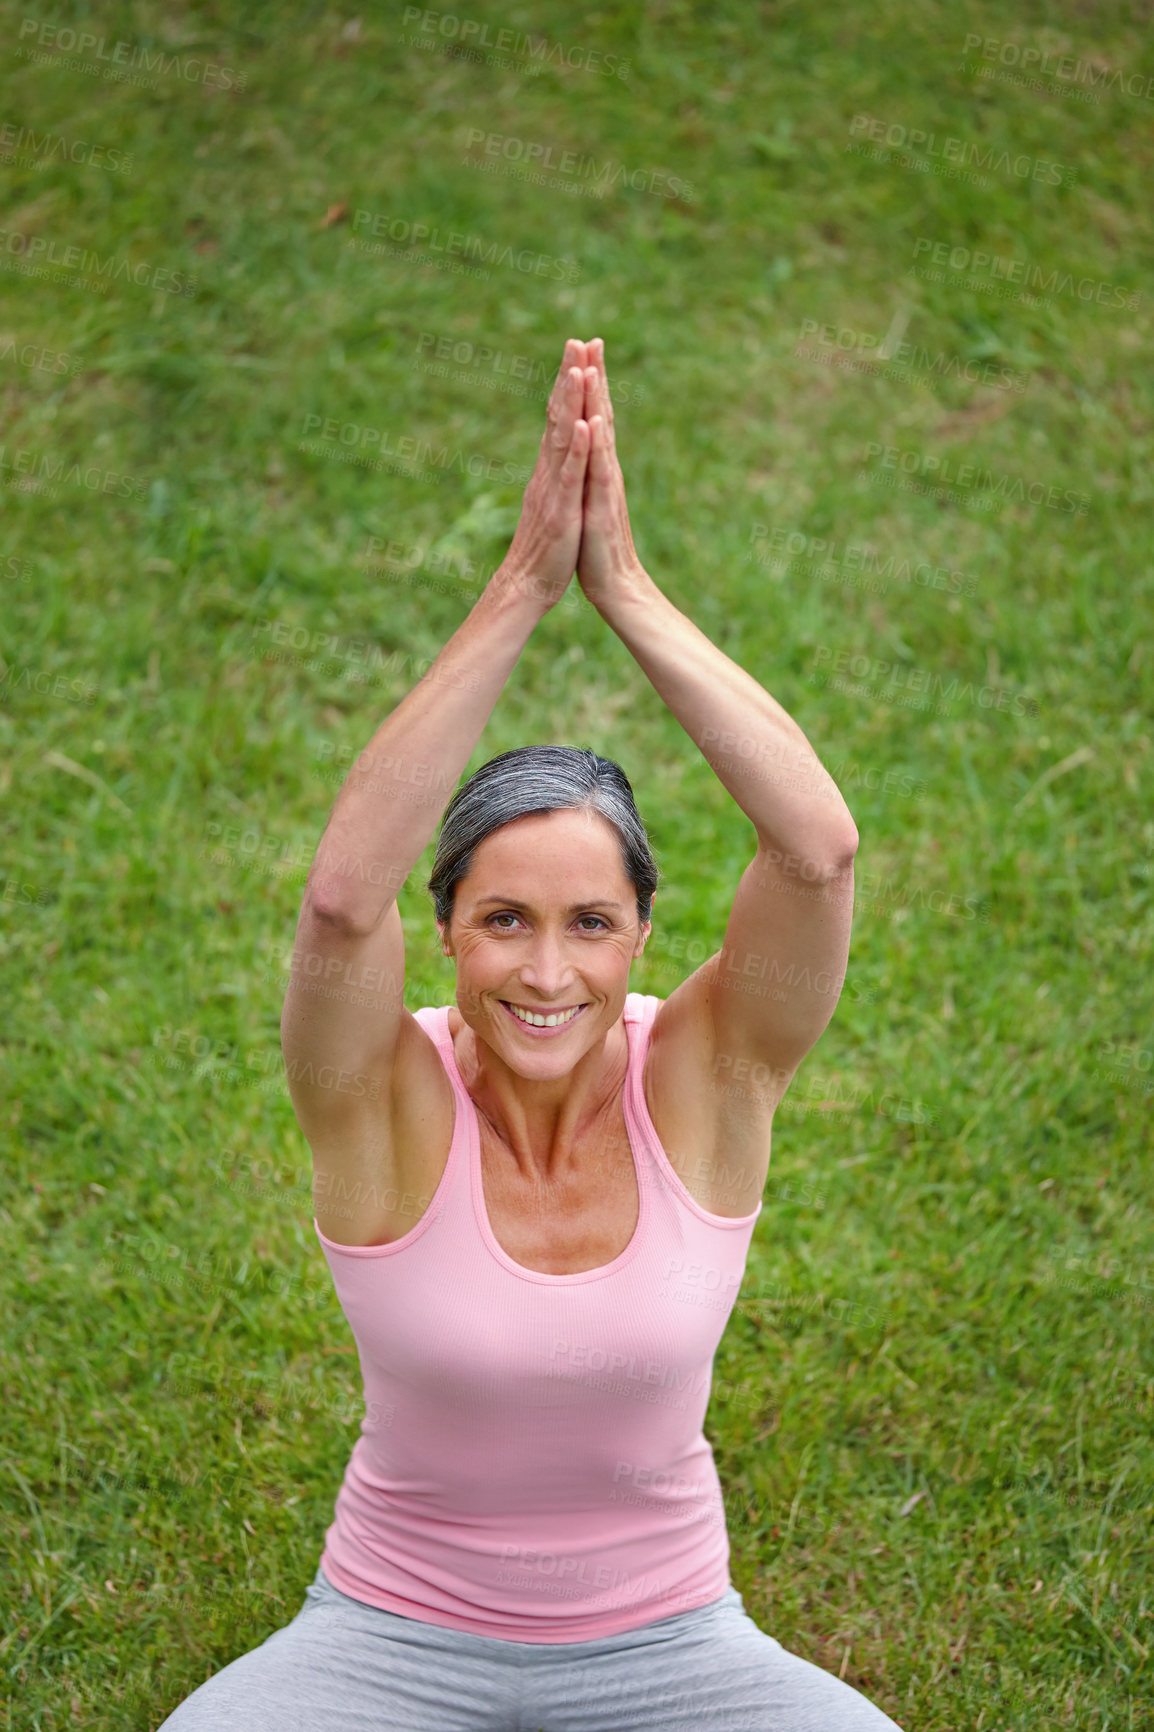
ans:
(434, 1019)
(455, 1187)
(641, 1007)
(640, 1010)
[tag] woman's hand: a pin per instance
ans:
(607, 563)
(543, 554)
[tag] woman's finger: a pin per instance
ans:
(573, 469)
(596, 403)
(594, 395)
(569, 407)
(600, 461)
(574, 356)
(595, 357)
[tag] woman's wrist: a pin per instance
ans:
(631, 586)
(520, 592)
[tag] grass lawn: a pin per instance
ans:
(875, 289)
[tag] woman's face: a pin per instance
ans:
(545, 921)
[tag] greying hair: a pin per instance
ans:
(532, 779)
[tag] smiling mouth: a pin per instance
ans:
(551, 1020)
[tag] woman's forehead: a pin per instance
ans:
(579, 851)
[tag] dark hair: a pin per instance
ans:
(533, 779)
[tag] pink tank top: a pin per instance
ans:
(531, 1463)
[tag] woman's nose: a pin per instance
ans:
(546, 968)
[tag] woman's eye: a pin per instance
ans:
(589, 922)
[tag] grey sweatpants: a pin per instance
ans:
(343, 1666)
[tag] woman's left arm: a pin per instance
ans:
(775, 985)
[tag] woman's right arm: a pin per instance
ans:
(343, 1012)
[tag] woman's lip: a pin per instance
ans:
(530, 1028)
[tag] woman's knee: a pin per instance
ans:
(260, 1689)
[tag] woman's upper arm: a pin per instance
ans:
(342, 1015)
(776, 984)
(761, 1003)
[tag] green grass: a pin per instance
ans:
(949, 1288)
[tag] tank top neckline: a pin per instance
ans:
(635, 1020)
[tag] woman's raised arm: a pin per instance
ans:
(381, 822)
(791, 917)
(343, 1012)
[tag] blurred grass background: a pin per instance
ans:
(931, 1408)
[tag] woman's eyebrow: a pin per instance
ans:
(512, 902)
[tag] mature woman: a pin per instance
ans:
(536, 1205)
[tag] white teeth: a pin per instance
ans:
(536, 1021)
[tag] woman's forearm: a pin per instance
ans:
(753, 745)
(393, 798)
